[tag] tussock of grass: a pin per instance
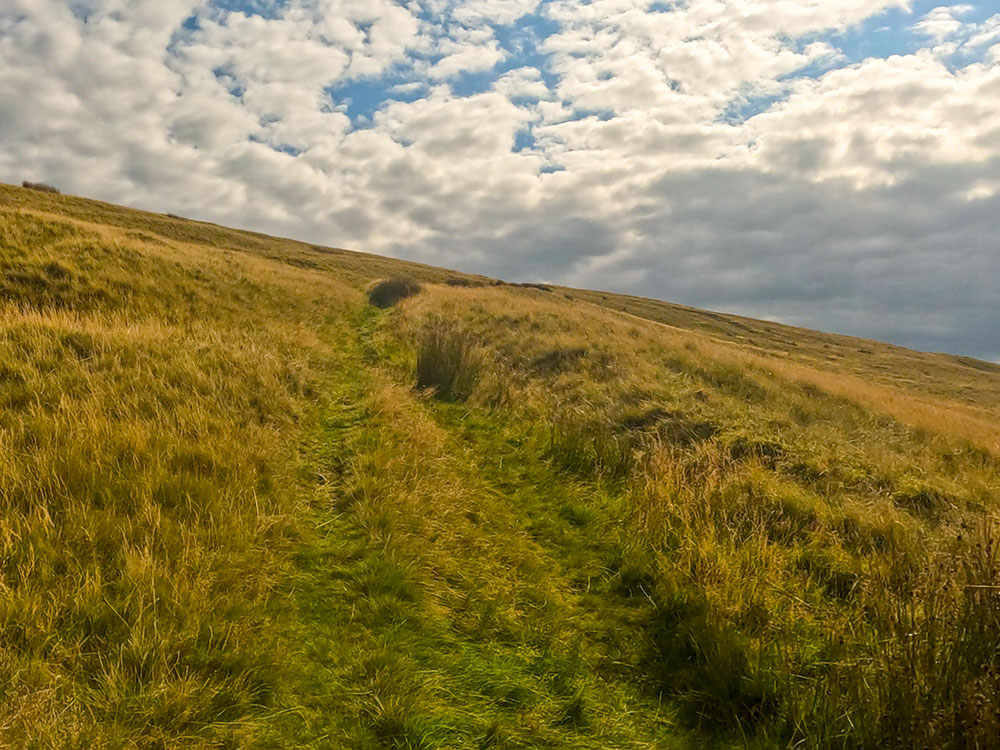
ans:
(40, 187)
(559, 360)
(582, 443)
(387, 293)
(448, 362)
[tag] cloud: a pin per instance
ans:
(943, 21)
(882, 121)
(467, 51)
(522, 83)
(722, 153)
(502, 12)
(443, 126)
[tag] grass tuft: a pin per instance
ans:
(390, 291)
(40, 187)
(448, 362)
(589, 445)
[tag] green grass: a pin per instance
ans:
(242, 507)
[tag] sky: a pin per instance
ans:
(833, 164)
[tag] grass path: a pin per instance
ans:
(453, 591)
(575, 528)
(314, 610)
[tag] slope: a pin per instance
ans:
(231, 520)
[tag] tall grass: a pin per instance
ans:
(584, 443)
(152, 396)
(388, 292)
(448, 362)
(935, 679)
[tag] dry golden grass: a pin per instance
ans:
(914, 405)
(152, 396)
(930, 376)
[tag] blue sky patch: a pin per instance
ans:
(524, 140)
(889, 33)
(742, 108)
(263, 8)
(227, 79)
(362, 98)
(279, 147)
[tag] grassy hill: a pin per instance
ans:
(241, 507)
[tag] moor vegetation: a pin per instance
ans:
(40, 186)
(388, 292)
(246, 500)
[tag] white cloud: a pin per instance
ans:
(985, 33)
(503, 12)
(408, 88)
(522, 83)
(468, 51)
(612, 54)
(441, 125)
(877, 122)
(943, 21)
(863, 199)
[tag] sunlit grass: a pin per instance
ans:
(795, 534)
(152, 399)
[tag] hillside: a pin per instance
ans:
(241, 507)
